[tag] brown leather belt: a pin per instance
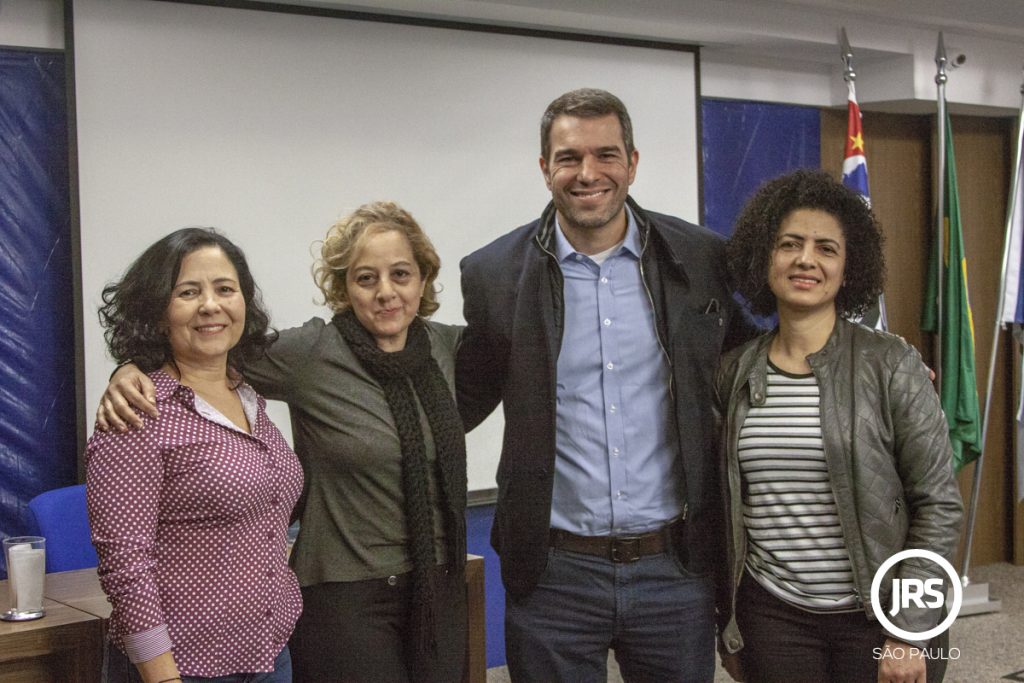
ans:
(616, 548)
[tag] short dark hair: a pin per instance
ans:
(585, 103)
(749, 250)
(134, 307)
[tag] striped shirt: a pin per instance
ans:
(796, 547)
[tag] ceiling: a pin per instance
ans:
(895, 37)
(1003, 19)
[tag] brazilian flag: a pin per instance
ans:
(959, 379)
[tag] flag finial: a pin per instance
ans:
(941, 61)
(846, 53)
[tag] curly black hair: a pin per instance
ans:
(749, 250)
(134, 308)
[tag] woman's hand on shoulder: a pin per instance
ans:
(128, 387)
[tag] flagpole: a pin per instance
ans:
(850, 76)
(976, 486)
(940, 82)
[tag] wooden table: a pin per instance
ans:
(81, 590)
(75, 599)
(476, 648)
(65, 645)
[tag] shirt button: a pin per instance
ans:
(275, 501)
(615, 452)
(611, 408)
(619, 495)
(604, 281)
(269, 613)
(757, 395)
(392, 580)
(610, 366)
(270, 573)
(270, 535)
(607, 322)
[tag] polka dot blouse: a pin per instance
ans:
(189, 518)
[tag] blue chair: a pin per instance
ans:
(61, 517)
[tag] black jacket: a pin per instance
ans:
(513, 296)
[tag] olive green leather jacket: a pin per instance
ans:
(888, 455)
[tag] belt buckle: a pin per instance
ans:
(625, 549)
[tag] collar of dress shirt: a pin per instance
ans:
(564, 250)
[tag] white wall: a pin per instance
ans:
(752, 49)
(32, 23)
(787, 50)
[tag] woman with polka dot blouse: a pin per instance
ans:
(189, 515)
(381, 551)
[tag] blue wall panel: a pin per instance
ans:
(747, 143)
(37, 377)
(478, 542)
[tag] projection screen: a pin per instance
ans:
(270, 126)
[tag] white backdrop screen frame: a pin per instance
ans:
(271, 125)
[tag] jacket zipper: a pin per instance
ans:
(735, 494)
(657, 331)
(842, 527)
(561, 282)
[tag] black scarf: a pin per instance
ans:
(400, 373)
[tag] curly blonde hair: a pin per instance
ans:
(345, 239)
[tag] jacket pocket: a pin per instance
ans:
(700, 336)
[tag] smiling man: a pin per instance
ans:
(599, 327)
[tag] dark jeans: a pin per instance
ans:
(359, 632)
(117, 669)
(785, 644)
(658, 618)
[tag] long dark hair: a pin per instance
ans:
(133, 308)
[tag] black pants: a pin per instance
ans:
(359, 632)
(785, 644)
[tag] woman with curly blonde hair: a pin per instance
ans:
(381, 551)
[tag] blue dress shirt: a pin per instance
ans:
(616, 470)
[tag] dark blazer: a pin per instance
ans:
(512, 289)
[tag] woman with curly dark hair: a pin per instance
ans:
(134, 308)
(190, 515)
(836, 450)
